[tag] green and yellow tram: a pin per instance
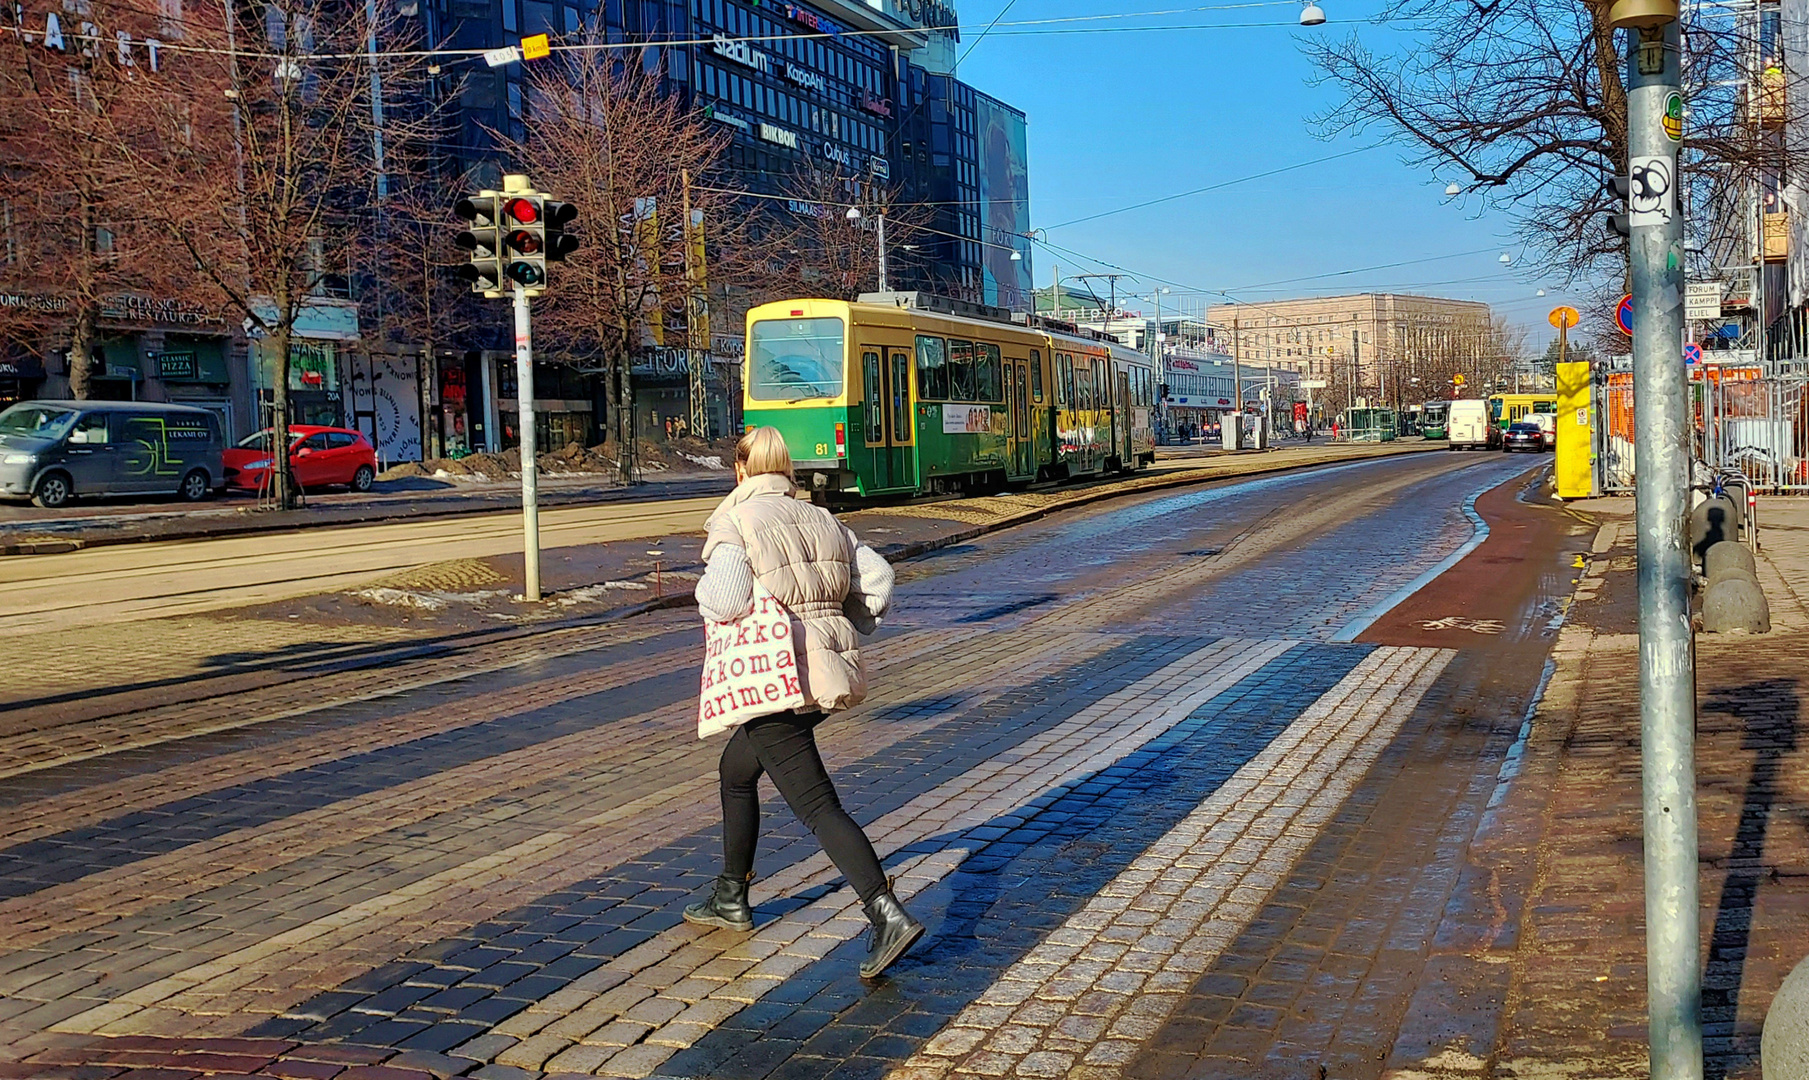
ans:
(897, 399)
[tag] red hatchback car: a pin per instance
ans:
(318, 456)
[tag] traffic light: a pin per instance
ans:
(524, 239)
(1620, 188)
(559, 243)
(483, 241)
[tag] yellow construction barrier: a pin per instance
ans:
(1575, 466)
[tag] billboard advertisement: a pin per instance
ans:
(1004, 203)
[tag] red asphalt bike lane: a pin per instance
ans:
(1510, 587)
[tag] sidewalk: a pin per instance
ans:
(1555, 985)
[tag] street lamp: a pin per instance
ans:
(879, 228)
(1312, 15)
(1452, 189)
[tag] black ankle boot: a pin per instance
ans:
(894, 931)
(727, 906)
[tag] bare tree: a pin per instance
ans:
(423, 302)
(605, 138)
(826, 238)
(264, 167)
(71, 135)
(1522, 102)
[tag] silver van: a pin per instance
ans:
(52, 451)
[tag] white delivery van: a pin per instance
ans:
(1469, 424)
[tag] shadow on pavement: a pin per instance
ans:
(1768, 711)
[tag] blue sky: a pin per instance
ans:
(1117, 118)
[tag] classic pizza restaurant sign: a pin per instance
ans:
(87, 39)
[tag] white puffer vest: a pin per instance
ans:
(805, 558)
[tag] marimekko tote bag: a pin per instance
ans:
(750, 667)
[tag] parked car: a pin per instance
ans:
(318, 456)
(53, 451)
(1523, 436)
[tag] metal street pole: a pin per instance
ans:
(1667, 654)
(530, 485)
(882, 250)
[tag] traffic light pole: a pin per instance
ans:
(530, 483)
(1667, 654)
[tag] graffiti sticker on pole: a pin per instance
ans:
(1652, 198)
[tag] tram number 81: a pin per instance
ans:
(822, 449)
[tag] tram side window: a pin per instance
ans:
(876, 398)
(1070, 388)
(932, 368)
(1036, 376)
(989, 378)
(1083, 386)
(960, 370)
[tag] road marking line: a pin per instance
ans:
(1180, 904)
(1092, 739)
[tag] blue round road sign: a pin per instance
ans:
(1692, 353)
(1623, 315)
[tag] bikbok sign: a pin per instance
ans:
(86, 39)
(750, 667)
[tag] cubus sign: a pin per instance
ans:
(750, 668)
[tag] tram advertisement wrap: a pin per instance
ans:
(750, 667)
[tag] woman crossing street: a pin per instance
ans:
(834, 589)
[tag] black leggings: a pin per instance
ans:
(785, 748)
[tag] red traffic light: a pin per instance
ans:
(522, 211)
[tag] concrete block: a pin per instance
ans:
(1735, 605)
(1724, 557)
(1784, 1046)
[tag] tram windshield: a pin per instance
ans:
(794, 359)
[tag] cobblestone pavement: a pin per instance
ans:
(1158, 818)
(1554, 984)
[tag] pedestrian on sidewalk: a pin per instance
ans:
(834, 587)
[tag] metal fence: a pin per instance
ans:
(1757, 424)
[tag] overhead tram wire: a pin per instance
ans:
(1266, 307)
(1053, 26)
(1213, 187)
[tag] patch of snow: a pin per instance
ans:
(708, 461)
(430, 600)
(591, 593)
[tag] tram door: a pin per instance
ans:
(900, 427)
(1023, 442)
(885, 419)
(1124, 418)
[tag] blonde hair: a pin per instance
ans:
(761, 451)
